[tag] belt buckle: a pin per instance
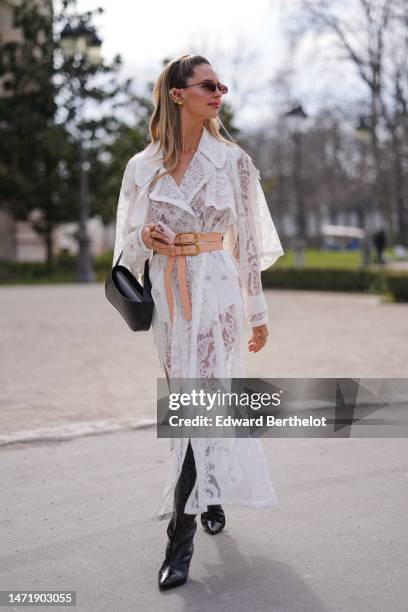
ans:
(193, 243)
(196, 246)
(195, 234)
(195, 239)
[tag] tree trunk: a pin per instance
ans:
(48, 238)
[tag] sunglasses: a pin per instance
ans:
(209, 86)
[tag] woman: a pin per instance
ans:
(206, 189)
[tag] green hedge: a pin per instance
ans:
(319, 279)
(64, 268)
(397, 284)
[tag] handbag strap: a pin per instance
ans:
(147, 285)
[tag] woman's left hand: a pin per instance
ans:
(258, 339)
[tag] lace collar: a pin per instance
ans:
(150, 160)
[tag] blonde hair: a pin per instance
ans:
(165, 122)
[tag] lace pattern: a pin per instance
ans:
(218, 193)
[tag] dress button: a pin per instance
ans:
(224, 277)
(207, 277)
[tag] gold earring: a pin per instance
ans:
(178, 100)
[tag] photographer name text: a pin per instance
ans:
(259, 421)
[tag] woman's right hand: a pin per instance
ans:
(149, 234)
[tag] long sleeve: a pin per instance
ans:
(257, 245)
(129, 225)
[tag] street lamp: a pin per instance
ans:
(362, 130)
(297, 119)
(364, 135)
(81, 43)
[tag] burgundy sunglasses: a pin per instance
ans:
(209, 86)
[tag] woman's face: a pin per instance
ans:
(197, 99)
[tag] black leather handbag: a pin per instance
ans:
(133, 300)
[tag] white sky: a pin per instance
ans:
(145, 32)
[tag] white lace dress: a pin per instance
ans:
(220, 192)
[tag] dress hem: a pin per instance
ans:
(255, 504)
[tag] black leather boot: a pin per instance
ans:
(180, 530)
(213, 520)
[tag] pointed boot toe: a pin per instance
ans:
(170, 577)
(212, 527)
(213, 521)
(176, 565)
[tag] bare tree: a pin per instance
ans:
(371, 35)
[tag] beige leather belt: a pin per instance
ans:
(185, 243)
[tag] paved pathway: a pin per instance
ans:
(70, 364)
(75, 515)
